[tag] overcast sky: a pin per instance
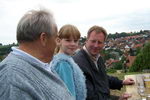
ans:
(113, 15)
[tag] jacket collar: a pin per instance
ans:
(93, 58)
(92, 64)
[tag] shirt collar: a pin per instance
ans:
(94, 58)
(17, 51)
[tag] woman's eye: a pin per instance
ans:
(68, 40)
(75, 40)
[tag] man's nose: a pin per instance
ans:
(73, 43)
(96, 44)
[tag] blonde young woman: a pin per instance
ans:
(64, 65)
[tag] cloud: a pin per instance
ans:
(135, 21)
(114, 15)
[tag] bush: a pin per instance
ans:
(142, 60)
(111, 70)
(118, 65)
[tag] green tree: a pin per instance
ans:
(82, 40)
(5, 49)
(118, 65)
(107, 55)
(142, 60)
(1, 58)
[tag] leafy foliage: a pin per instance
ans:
(118, 65)
(111, 70)
(142, 60)
(5, 49)
(107, 55)
(124, 34)
(82, 40)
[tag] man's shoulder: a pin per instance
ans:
(11, 59)
(13, 63)
(81, 58)
(10, 74)
(14, 68)
(80, 54)
(10, 67)
(12, 78)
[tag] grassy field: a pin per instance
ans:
(120, 76)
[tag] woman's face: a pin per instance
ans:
(68, 46)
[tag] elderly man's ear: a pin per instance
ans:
(43, 38)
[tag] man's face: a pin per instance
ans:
(95, 43)
(51, 45)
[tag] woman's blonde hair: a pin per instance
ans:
(66, 32)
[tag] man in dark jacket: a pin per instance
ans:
(89, 60)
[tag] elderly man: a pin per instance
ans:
(89, 60)
(24, 73)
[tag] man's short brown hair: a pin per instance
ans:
(97, 29)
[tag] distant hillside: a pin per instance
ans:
(5, 49)
(124, 34)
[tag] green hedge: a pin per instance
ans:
(142, 60)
